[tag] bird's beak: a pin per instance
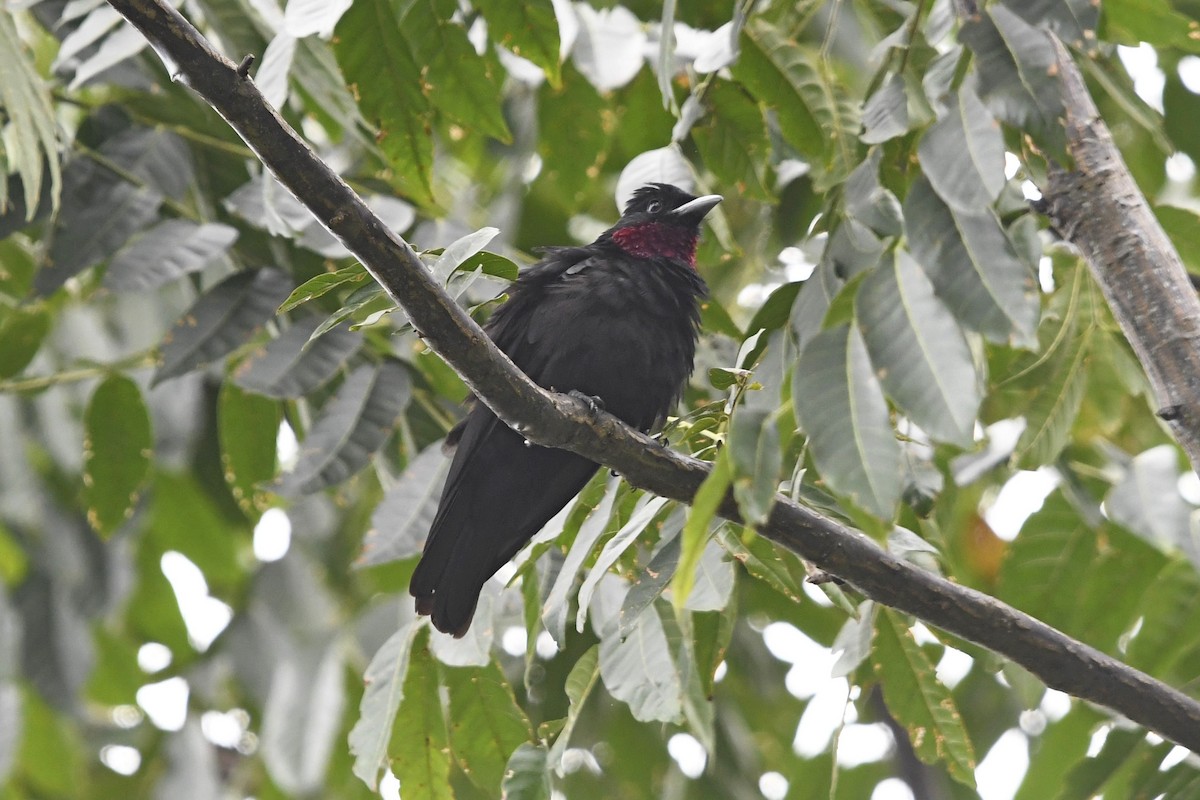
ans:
(695, 210)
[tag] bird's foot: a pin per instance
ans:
(595, 404)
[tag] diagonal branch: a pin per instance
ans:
(1098, 207)
(556, 420)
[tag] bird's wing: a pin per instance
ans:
(514, 325)
(499, 491)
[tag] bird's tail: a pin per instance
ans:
(499, 493)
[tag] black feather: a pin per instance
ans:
(594, 319)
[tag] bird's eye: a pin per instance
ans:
(654, 207)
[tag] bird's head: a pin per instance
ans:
(662, 221)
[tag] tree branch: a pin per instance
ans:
(1098, 207)
(557, 420)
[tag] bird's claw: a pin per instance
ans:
(595, 404)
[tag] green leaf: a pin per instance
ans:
(486, 724)
(840, 405)
(1054, 408)
(695, 531)
(1154, 21)
(184, 517)
(247, 427)
(454, 78)
(528, 28)
(117, 449)
(382, 74)
(764, 561)
(527, 776)
(962, 154)
(17, 267)
(918, 350)
(21, 333)
(644, 512)
(115, 678)
(640, 671)
(885, 114)
(100, 211)
(420, 744)
(1018, 75)
(554, 610)
(650, 583)
(457, 252)
(223, 319)
(773, 314)
(1089, 777)
(1057, 548)
(1146, 500)
(493, 264)
(575, 132)
(852, 645)
(918, 700)
(32, 145)
(1058, 382)
(580, 681)
(732, 139)
(1064, 743)
(973, 265)
(303, 714)
(362, 305)
(813, 302)
(712, 633)
(323, 284)
(1074, 21)
(776, 71)
(1183, 227)
(1111, 75)
(166, 252)
(1170, 626)
(51, 754)
(796, 83)
(713, 586)
(385, 681)
(351, 427)
(14, 566)
(294, 363)
(714, 318)
(10, 719)
(756, 458)
(401, 521)
(722, 378)
(156, 157)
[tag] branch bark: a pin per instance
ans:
(556, 420)
(1098, 207)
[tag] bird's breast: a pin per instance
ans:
(632, 350)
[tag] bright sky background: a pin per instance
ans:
(1000, 770)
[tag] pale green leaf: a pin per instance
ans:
(385, 684)
(918, 350)
(841, 407)
(32, 146)
(973, 265)
(962, 154)
(696, 530)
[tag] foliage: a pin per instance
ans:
(220, 439)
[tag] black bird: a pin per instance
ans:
(617, 321)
